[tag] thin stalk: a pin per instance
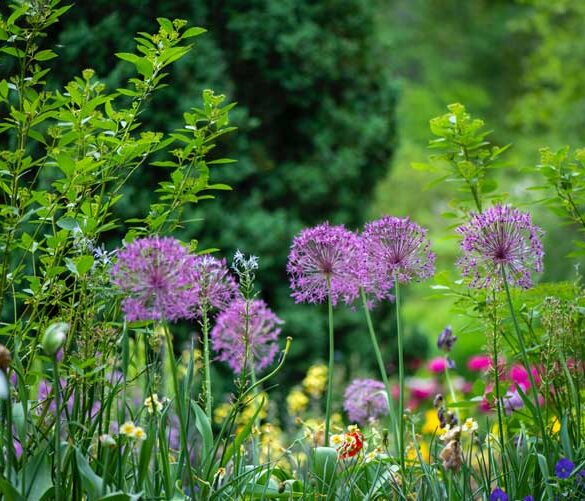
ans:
(400, 375)
(179, 401)
(206, 362)
(499, 405)
(525, 361)
(330, 367)
(57, 461)
(381, 366)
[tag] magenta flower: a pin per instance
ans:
(519, 375)
(216, 286)
(325, 259)
(229, 340)
(437, 365)
(479, 363)
(365, 401)
(395, 248)
(156, 276)
(500, 237)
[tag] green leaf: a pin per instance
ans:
(323, 467)
(91, 482)
(204, 428)
(9, 491)
(128, 56)
(45, 55)
(242, 436)
(83, 264)
(68, 223)
(193, 32)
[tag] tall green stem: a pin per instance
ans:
(57, 462)
(206, 363)
(330, 368)
(381, 366)
(400, 375)
(499, 405)
(179, 401)
(525, 361)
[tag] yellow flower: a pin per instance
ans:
(423, 447)
(153, 404)
(221, 412)
(127, 429)
(470, 425)
(296, 402)
(556, 426)
(315, 381)
(139, 433)
(432, 424)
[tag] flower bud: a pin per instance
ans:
(5, 358)
(55, 337)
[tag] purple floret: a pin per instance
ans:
(321, 256)
(564, 468)
(156, 274)
(395, 248)
(228, 336)
(217, 288)
(500, 237)
(365, 400)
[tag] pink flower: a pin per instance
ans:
(422, 389)
(479, 363)
(437, 365)
(519, 376)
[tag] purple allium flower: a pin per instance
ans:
(321, 256)
(512, 401)
(564, 468)
(228, 336)
(217, 287)
(156, 275)
(500, 237)
(498, 495)
(446, 339)
(365, 400)
(395, 248)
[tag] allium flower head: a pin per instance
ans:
(365, 400)
(564, 468)
(395, 248)
(217, 287)
(156, 275)
(228, 336)
(321, 256)
(500, 237)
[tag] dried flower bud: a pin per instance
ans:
(452, 456)
(438, 400)
(5, 358)
(55, 337)
(446, 339)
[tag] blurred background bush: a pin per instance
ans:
(334, 101)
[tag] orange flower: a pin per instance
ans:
(352, 443)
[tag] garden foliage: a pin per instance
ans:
(99, 401)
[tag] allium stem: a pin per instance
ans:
(179, 402)
(499, 406)
(381, 365)
(525, 361)
(206, 363)
(400, 374)
(330, 367)
(57, 457)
